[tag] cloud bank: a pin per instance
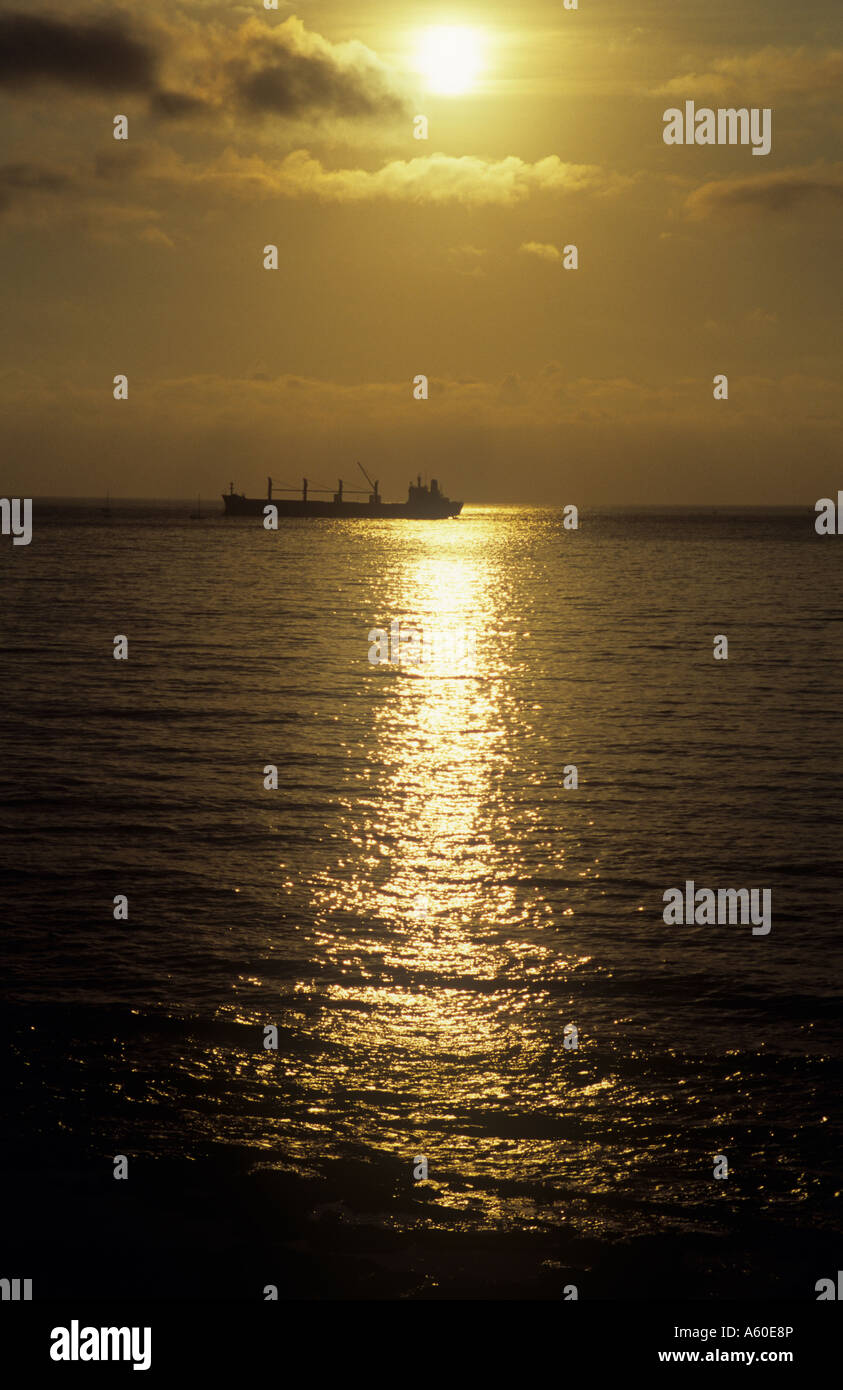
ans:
(185, 69)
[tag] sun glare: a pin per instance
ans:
(449, 57)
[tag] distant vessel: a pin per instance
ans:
(423, 502)
(197, 515)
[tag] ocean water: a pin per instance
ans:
(421, 906)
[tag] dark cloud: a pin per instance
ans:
(175, 104)
(99, 54)
(768, 193)
(278, 80)
(120, 162)
(17, 180)
(284, 71)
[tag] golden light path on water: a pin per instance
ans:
(445, 930)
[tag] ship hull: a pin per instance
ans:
(432, 510)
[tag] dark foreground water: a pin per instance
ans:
(420, 907)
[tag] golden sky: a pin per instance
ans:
(400, 256)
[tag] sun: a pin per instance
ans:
(450, 58)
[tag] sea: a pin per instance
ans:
(389, 1008)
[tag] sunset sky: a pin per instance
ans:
(401, 256)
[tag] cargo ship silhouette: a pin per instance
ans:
(423, 502)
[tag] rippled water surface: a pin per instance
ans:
(422, 905)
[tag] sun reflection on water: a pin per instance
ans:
(432, 929)
(435, 835)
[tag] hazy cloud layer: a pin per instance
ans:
(289, 425)
(764, 77)
(549, 396)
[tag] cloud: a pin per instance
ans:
(768, 75)
(119, 161)
(543, 249)
(188, 69)
(98, 54)
(22, 180)
(435, 178)
(289, 71)
(113, 223)
(173, 105)
(467, 252)
(155, 237)
(29, 194)
(782, 191)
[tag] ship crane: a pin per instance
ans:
(374, 486)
